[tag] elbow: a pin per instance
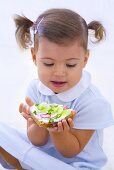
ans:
(38, 143)
(68, 154)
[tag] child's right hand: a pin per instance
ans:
(24, 109)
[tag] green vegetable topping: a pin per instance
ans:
(51, 120)
(54, 110)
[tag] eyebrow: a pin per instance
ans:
(73, 59)
(66, 59)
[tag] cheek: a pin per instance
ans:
(43, 76)
(43, 72)
(75, 75)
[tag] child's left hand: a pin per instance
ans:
(62, 126)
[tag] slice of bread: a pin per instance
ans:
(50, 114)
(46, 125)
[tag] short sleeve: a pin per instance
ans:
(96, 114)
(32, 91)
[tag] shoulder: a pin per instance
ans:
(33, 83)
(93, 110)
(33, 90)
(92, 95)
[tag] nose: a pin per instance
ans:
(59, 70)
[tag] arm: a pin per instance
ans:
(68, 141)
(37, 135)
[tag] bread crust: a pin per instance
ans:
(46, 125)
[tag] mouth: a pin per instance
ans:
(58, 83)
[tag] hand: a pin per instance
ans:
(62, 126)
(24, 109)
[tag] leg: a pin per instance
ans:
(10, 159)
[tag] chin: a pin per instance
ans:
(59, 90)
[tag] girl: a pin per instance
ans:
(58, 41)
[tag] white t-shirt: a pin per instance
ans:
(92, 112)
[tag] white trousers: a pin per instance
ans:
(17, 144)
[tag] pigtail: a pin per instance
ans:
(99, 30)
(22, 33)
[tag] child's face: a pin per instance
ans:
(59, 67)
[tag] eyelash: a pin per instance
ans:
(49, 65)
(68, 65)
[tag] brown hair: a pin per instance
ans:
(61, 26)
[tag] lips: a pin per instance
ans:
(58, 83)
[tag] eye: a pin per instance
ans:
(48, 65)
(71, 65)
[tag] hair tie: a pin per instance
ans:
(36, 26)
(34, 30)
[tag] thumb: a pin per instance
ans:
(30, 120)
(29, 101)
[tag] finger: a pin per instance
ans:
(70, 122)
(29, 101)
(26, 116)
(60, 127)
(65, 125)
(26, 109)
(31, 120)
(52, 129)
(21, 107)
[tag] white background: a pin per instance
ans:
(17, 69)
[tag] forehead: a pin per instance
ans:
(49, 49)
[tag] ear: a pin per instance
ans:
(33, 53)
(86, 57)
